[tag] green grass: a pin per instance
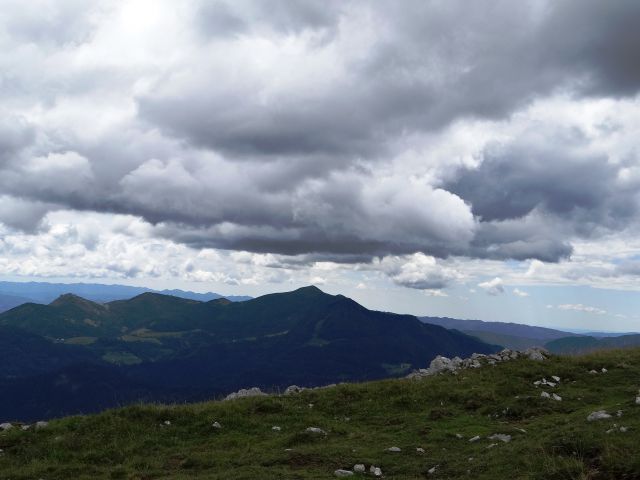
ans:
(362, 421)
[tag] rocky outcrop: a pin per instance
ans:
(442, 364)
(245, 393)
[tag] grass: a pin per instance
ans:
(362, 421)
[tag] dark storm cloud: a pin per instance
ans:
(282, 127)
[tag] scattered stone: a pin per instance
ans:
(394, 449)
(619, 413)
(167, 422)
(545, 395)
(343, 473)
(593, 372)
(536, 353)
(6, 426)
(637, 400)
(474, 439)
(375, 471)
(24, 428)
(432, 470)
(500, 436)
(598, 415)
(41, 424)
(276, 429)
(604, 370)
(459, 436)
(556, 397)
(216, 425)
(316, 430)
(245, 393)
(420, 450)
(624, 429)
(557, 379)
(293, 389)
(359, 468)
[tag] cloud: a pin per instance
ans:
(341, 131)
(493, 287)
(418, 271)
(578, 307)
(520, 293)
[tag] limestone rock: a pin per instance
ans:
(343, 473)
(245, 393)
(598, 415)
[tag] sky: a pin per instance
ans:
(451, 158)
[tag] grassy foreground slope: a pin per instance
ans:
(550, 439)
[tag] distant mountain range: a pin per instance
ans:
(519, 336)
(13, 294)
(76, 355)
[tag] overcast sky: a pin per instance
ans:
(473, 159)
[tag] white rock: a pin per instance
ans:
(216, 425)
(624, 429)
(375, 471)
(41, 424)
(394, 449)
(276, 429)
(420, 450)
(167, 422)
(598, 415)
(637, 400)
(604, 370)
(474, 439)
(500, 436)
(24, 428)
(245, 393)
(459, 436)
(6, 426)
(343, 473)
(359, 468)
(535, 353)
(593, 372)
(432, 470)
(619, 413)
(316, 430)
(293, 389)
(545, 395)
(492, 445)
(557, 379)
(556, 397)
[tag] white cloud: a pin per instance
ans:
(520, 293)
(578, 307)
(493, 287)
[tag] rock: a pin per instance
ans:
(535, 353)
(167, 422)
(375, 471)
(41, 424)
(216, 425)
(500, 436)
(293, 389)
(6, 426)
(432, 470)
(474, 439)
(619, 413)
(343, 473)
(459, 436)
(624, 429)
(545, 395)
(556, 397)
(24, 428)
(245, 393)
(557, 379)
(316, 430)
(593, 372)
(604, 370)
(420, 450)
(441, 364)
(359, 468)
(598, 415)
(276, 429)
(394, 449)
(637, 400)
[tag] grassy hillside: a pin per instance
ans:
(550, 439)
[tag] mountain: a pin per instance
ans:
(17, 293)
(7, 302)
(188, 350)
(509, 335)
(585, 344)
(430, 420)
